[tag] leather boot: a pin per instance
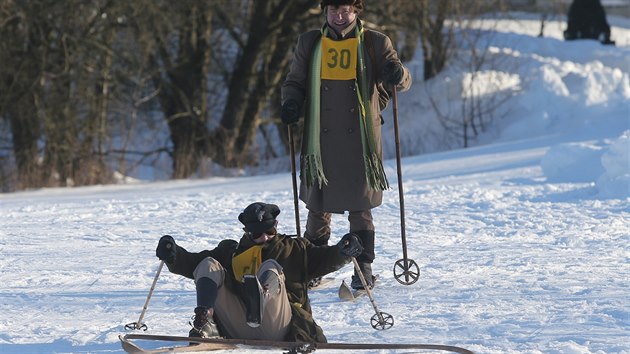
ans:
(203, 325)
(366, 269)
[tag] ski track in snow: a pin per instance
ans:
(509, 262)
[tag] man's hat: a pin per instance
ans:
(259, 217)
(358, 4)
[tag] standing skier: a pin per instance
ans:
(341, 76)
(257, 288)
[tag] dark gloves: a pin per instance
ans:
(350, 245)
(290, 112)
(165, 250)
(393, 73)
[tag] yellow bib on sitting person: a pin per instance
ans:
(247, 262)
(339, 59)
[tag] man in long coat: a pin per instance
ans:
(341, 76)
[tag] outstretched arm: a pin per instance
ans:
(323, 260)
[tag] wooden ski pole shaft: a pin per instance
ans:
(401, 195)
(296, 204)
(407, 276)
(381, 320)
(139, 324)
(365, 285)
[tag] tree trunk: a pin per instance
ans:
(435, 43)
(257, 74)
(182, 92)
(25, 133)
(18, 73)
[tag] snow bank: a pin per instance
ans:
(606, 166)
(615, 181)
(572, 163)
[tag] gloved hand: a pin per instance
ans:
(165, 250)
(350, 245)
(290, 112)
(393, 73)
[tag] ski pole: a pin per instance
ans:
(381, 320)
(139, 324)
(294, 180)
(405, 264)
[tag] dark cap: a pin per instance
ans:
(259, 217)
(358, 4)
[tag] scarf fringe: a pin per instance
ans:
(375, 173)
(313, 170)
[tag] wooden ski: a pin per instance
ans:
(210, 344)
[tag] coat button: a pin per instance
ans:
(325, 130)
(350, 130)
(326, 88)
(352, 110)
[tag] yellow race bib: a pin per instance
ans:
(339, 59)
(247, 263)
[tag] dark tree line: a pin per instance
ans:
(89, 87)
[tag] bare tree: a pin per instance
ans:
(181, 59)
(44, 97)
(18, 77)
(89, 87)
(436, 40)
(261, 62)
(216, 66)
(482, 92)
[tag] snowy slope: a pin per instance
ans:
(523, 243)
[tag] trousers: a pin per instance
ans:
(230, 309)
(318, 223)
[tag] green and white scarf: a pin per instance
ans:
(311, 162)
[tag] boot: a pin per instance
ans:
(313, 283)
(365, 260)
(252, 296)
(366, 269)
(203, 326)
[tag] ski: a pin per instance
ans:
(320, 283)
(210, 344)
(133, 348)
(346, 293)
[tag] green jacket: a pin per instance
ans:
(301, 261)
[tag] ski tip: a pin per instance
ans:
(345, 292)
(129, 346)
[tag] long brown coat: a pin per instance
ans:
(340, 135)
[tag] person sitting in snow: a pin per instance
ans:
(257, 288)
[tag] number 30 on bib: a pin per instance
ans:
(339, 59)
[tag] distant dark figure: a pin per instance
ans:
(587, 20)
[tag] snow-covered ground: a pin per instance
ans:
(523, 242)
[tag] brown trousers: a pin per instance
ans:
(318, 223)
(230, 310)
